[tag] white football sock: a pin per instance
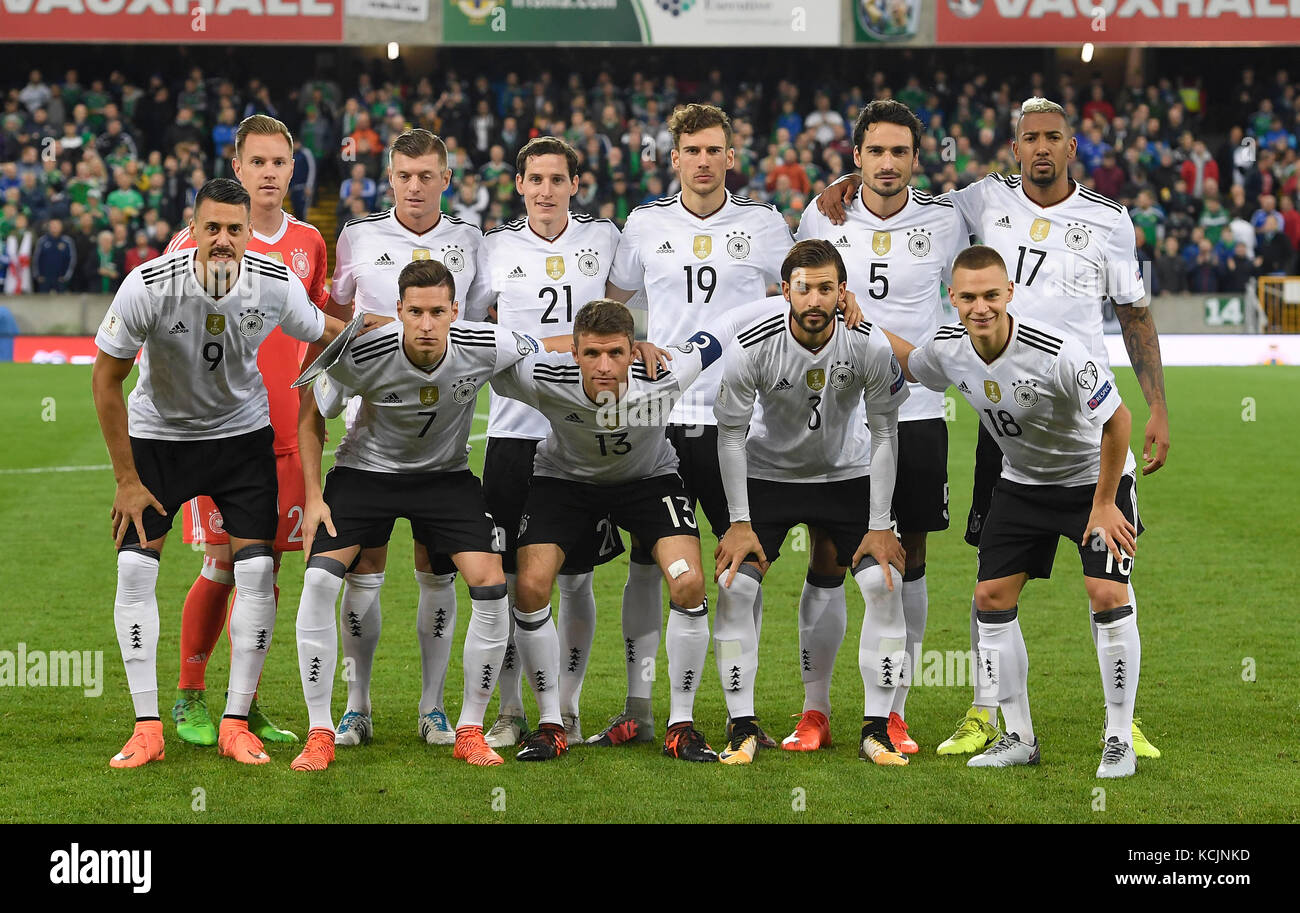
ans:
(360, 621)
(539, 654)
(823, 617)
(1092, 617)
(1119, 655)
(735, 645)
(135, 616)
(1003, 673)
(884, 636)
(577, 628)
(318, 638)
(992, 706)
(916, 605)
(252, 623)
(435, 626)
(642, 626)
(485, 646)
(688, 647)
(510, 678)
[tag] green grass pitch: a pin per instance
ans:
(1215, 575)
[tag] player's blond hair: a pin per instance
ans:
(1039, 105)
(693, 118)
(260, 125)
(419, 142)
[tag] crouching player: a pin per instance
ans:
(810, 463)
(1067, 471)
(405, 456)
(606, 456)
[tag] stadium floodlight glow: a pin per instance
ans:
(394, 50)
(1086, 55)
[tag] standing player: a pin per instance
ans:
(198, 421)
(405, 456)
(370, 254)
(1066, 471)
(606, 455)
(697, 254)
(1073, 249)
(534, 269)
(810, 463)
(897, 243)
(263, 164)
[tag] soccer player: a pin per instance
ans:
(1066, 471)
(904, 240)
(810, 463)
(405, 456)
(368, 259)
(606, 454)
(535, 268)
(1073, 249)
(263, 163)
(197, 422)
(703, 251)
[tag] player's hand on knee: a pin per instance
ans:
(129, 505)
(736, 544)
(1108, 524)
(654, 358)
(833, 199)
(884, 546)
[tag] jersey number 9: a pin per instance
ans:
(213, 352)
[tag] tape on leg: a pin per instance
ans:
(677, 568)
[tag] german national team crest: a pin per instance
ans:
(421, 253)
(1076, 237)
(816, 379)
(992, 391)
(555, 267)
(215, 324)
(880, 243)
(918, 242)
(1038, 231)
(276, 256)
(250, 323)
(464, 392)
(841, 376)
(738, 245)
(588, 262)
(428, 396)
(1026, 396)
(453, 258)
(301, 264)
(702, 246)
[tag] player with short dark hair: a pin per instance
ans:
(405, 456)
(810, 462)
(1067, 471)
(197, 423)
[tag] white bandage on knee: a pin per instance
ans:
(678, 567)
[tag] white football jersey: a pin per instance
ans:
(613, 441)
(371, 252)
(694, 267)
(198, 373)
(412, 418)
(1044, 399)
(1065, 259)
(538, 286)
(895, 267)
(813, 402)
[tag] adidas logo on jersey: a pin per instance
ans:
(1004, 222)
(782, 384)
(574, 417)
(385, 260)
(517, 273)
(963, 388)
(843, 241)
(178, 329)
(665, 248)
(391, 398)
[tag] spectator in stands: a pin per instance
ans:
(126, 197)
(472, 201)
(796, 176)
(1267, 209)
(1146, 255)
(54, 260)
(823, 119)
(143, 252)
(364, 145)
(1170, 269)
(302, 183)
(1109, 178)
(1092, 148)
(108, 275)
(18, 254)
(182, 130)
(1274, 253)
(1238, 270)
(1261, 179)
(1290, 219)
(358, 179)
(36, 93)
(1214, 219)
(1203, 274)
(1198, 166)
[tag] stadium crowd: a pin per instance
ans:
(97, 173)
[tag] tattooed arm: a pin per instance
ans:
(1143, 345)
